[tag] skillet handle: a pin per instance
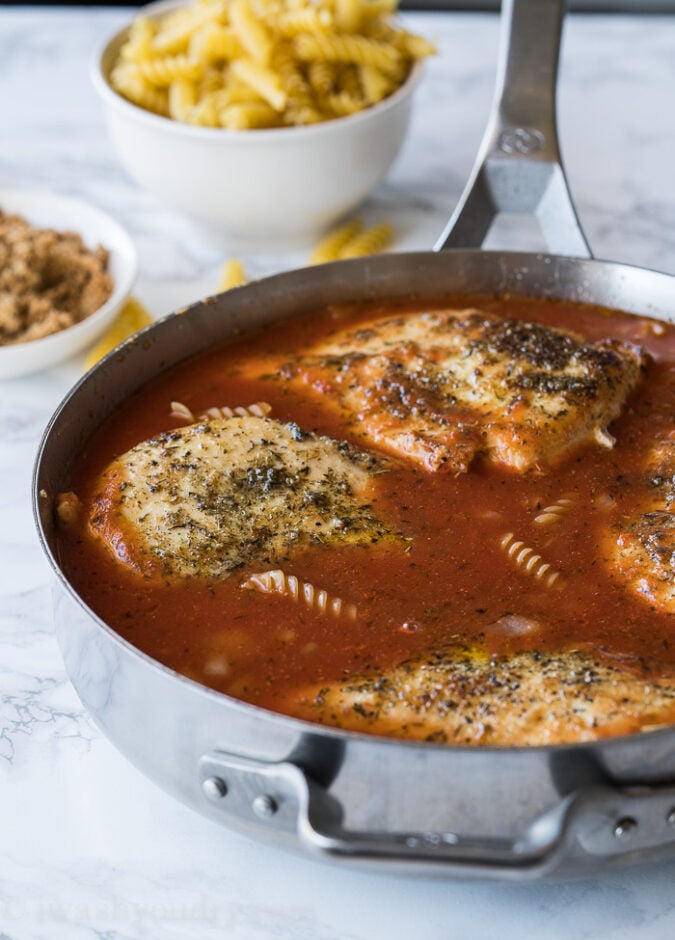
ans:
(282, 800)
(518, 168)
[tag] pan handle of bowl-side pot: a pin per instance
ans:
(518, 168)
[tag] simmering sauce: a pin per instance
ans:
(455, 580)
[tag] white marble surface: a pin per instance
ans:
(89, 848)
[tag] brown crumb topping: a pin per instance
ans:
(49, 280)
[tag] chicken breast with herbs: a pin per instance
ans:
(661, 472)
(641, 548)
(444, 387)
(643, 554)
(461, 696)
(206, 499)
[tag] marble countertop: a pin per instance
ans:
(88, 847)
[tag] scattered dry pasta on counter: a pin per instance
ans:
(329, 248)
(351, 240)
(246, 64)
(369, 242)
(132, 317)
(233, 275)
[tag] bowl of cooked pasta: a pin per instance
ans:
(266, 122)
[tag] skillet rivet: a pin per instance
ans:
(624, 827)
(265, 806)
(670, 818)
(214, 788)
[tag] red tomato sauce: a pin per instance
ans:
(454, 581)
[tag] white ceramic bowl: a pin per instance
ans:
(259, 189)
(47, 210)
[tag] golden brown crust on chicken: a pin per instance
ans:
(460, 696)
(441, 388)
(205, 499)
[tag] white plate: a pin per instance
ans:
(47, 210)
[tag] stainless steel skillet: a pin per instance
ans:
(501, 812)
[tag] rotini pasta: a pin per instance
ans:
(179, 410)
(161, 72)
(351, 240)
(252, 32)
(349, 82)
(356, 49)
(211, 81)
(259, 409)
(263, 81)
(132, 317)
(322, 77)
(344, 103)
(375, 84)
(140, 42)
(555, 511)
(182, 97)
(416, 47)
(141, 92)
(206, 113)
(304, 20)
(173, 41)
(299, 113)
(277, 62)
(248, 115)
(375, 9)
(278, 582)
(233, 275)
(529, 562)
(292, 80)
(213, 43)
(369, 242)
(330, 247)
(348, 15)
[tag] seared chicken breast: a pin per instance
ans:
(461, 696)
(205, 499)
(641, 549)
(661, 473)
(441, 388)
(643, 554)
